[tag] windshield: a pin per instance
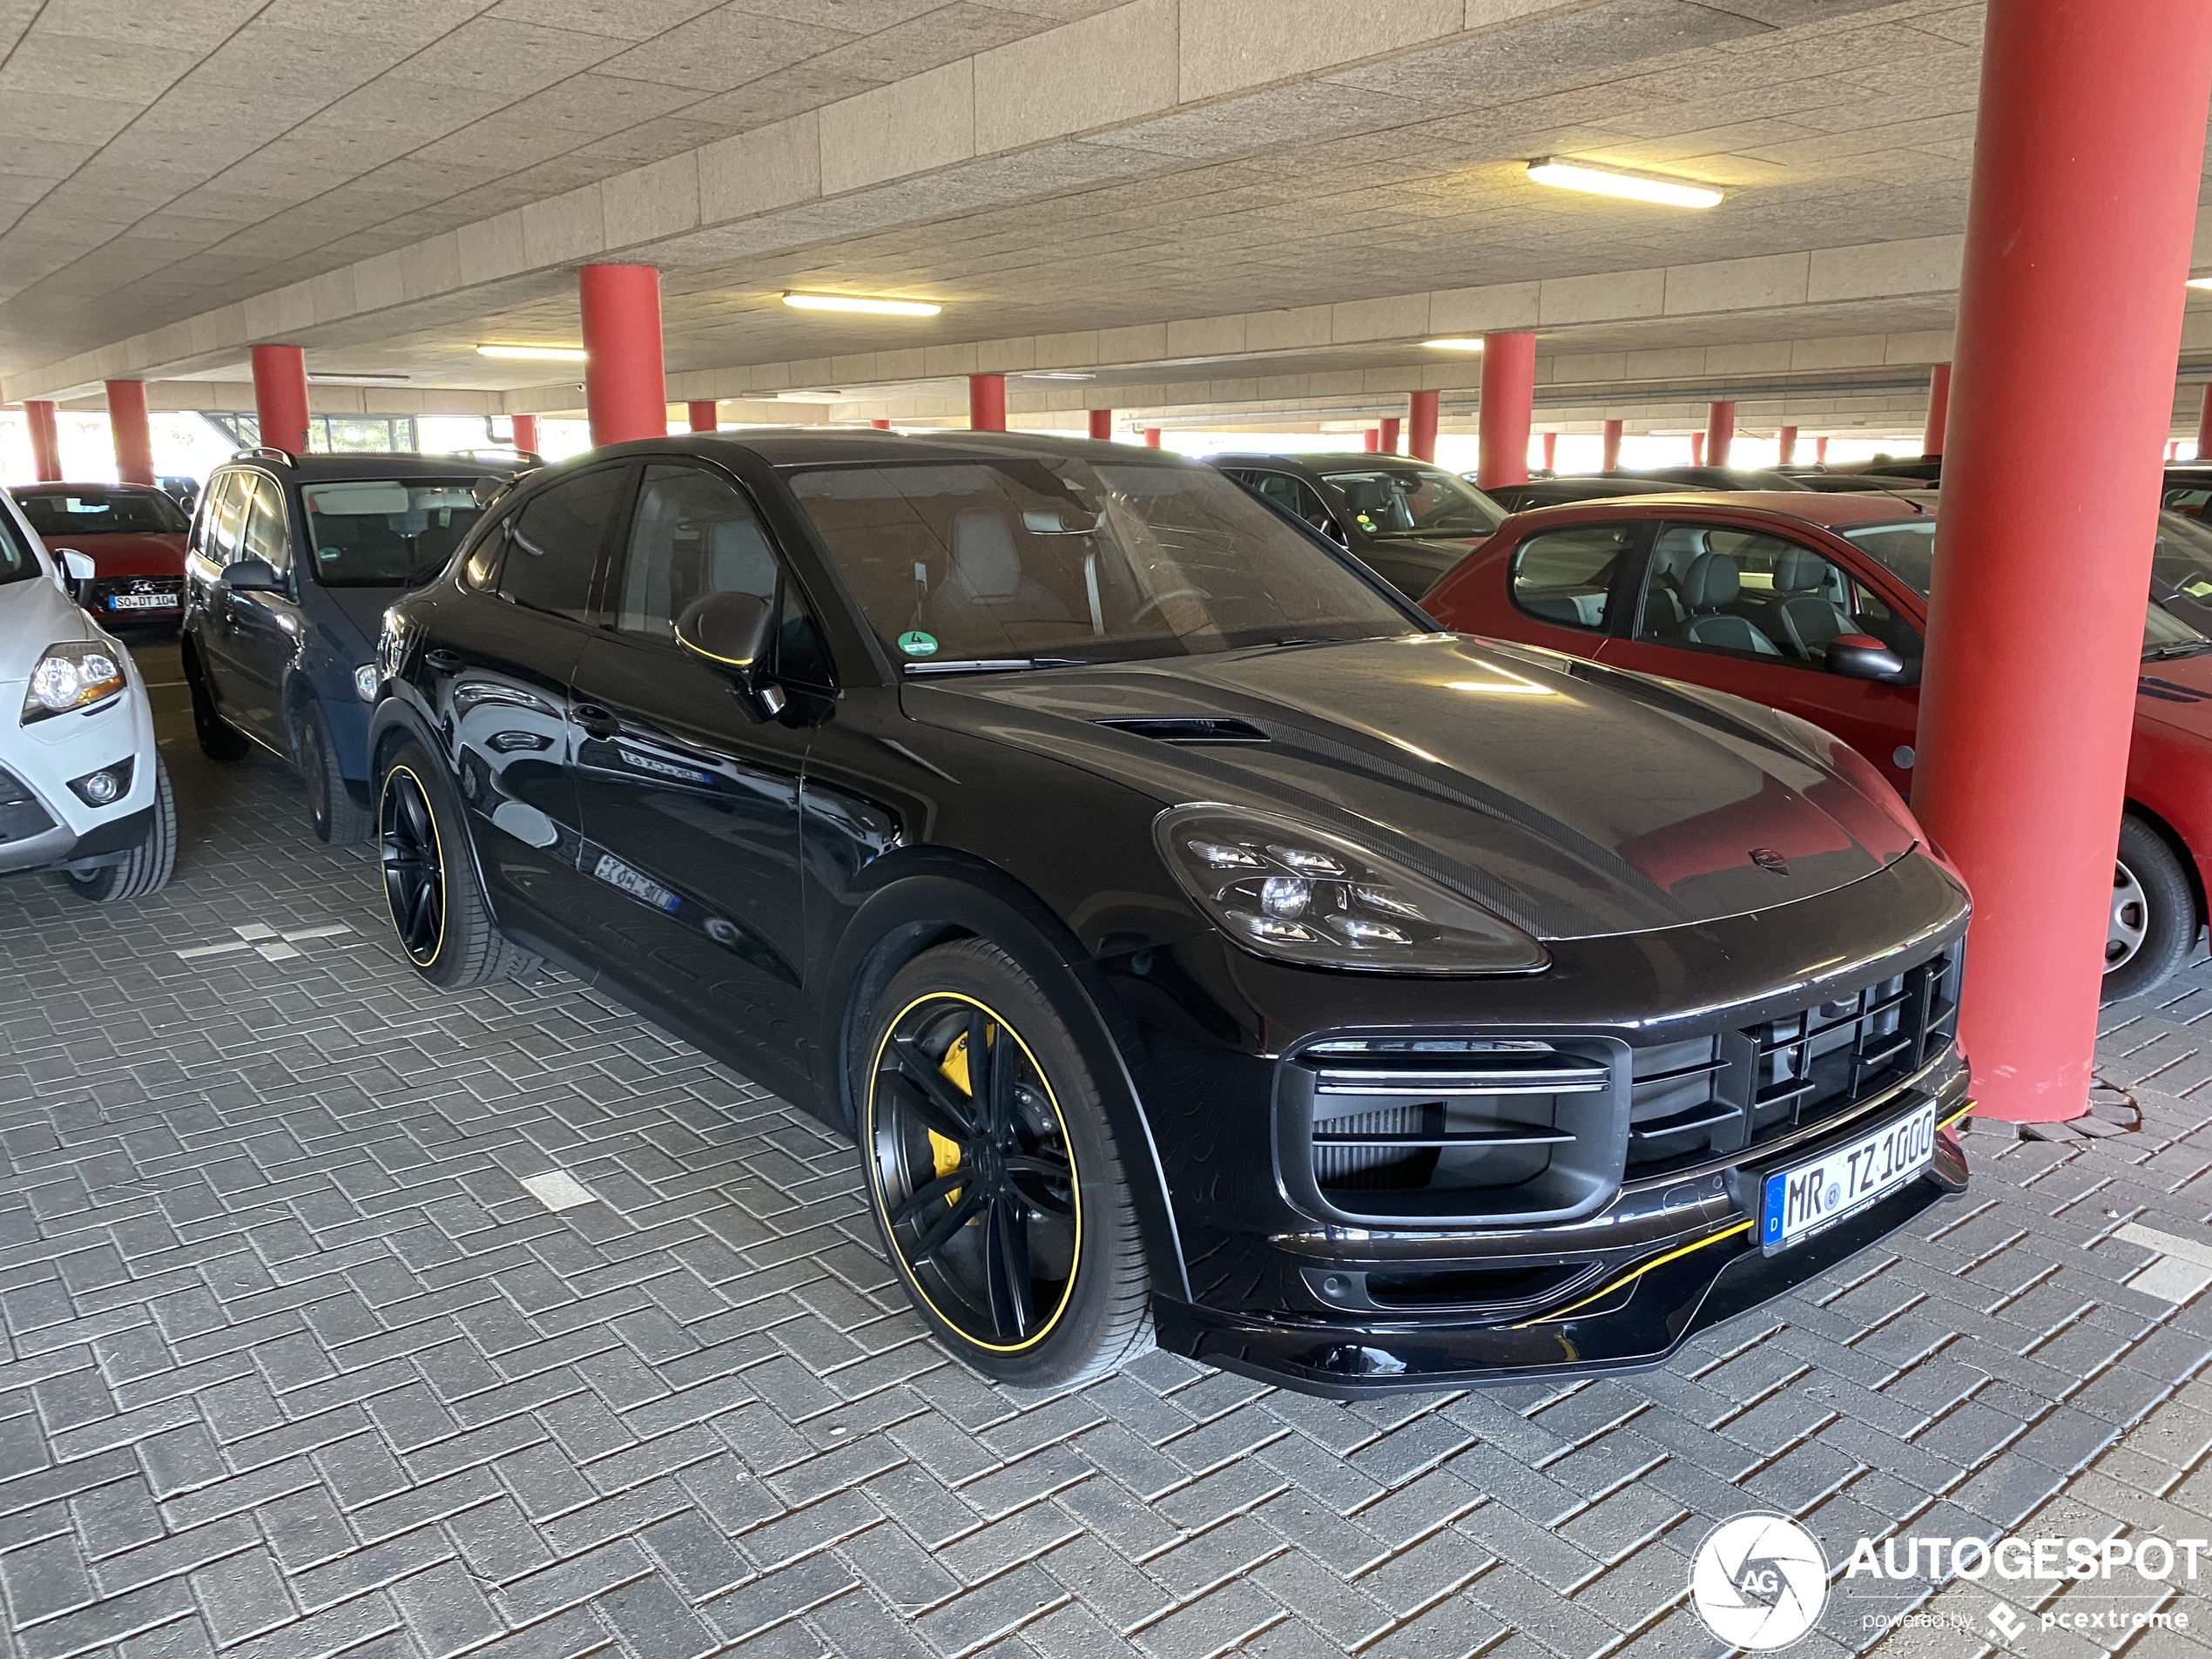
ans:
(59, 514)
(1005, 562)
(1415, 501)
(1907, 547)
(387, 532)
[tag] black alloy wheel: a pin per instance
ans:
(997, 1187)
(414, 876)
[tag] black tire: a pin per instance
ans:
(339, 818)
(219, 739)
(439, 912)
(147, 866)
(1042, 1280)
(2153, 924)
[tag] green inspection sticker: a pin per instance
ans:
(917, 643)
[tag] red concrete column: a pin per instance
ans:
(1551, 452)
(1720, 432)
(524, 433)
(1390, 434)
(126, 420)
(1102, 425)
(625, 392)
(702, 414)
(281, 397)
(1820, 452)
(1785, 446)
(2205, 426)
(880, 424)
(1151, 437)
(987, 402)
(45, 441)
(2173, 450)
(2089, 137)
(1938, 410)
(1696, 448)
(1611, 458)
(1370, 440)
(1508, 399)
(1420, 426)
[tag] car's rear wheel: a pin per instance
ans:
(147, 866)
(995, 1178)
(339, 818)
(437, 905)
(2153, 927)
(219, 739)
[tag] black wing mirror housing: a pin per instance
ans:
(733, 632)
(251, 576)
(1861, 657)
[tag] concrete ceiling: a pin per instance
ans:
(1054, 171)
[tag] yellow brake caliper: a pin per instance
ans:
(944, 1155)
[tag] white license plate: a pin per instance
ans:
(142, 601)
(1802, 1200)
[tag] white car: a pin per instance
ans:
(82, 786)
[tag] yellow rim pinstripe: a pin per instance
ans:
(437, 840)
(883, 1209)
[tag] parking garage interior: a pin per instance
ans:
(349, 1311)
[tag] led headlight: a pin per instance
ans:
(70, 676)
(1284, 889)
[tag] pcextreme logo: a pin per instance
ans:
(1759, 1581)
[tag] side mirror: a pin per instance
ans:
(76, 567)
(733, 631)
(1861, 657)
(251, 576)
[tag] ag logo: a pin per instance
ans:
(1759, 1581)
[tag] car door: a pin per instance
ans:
(217, 535)
(499, 658)
(1750, 612)
(1565, 585)
(262, 629)
(690, 798)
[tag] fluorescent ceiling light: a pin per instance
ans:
(862, 302)
(2199, 282)
(534, 353)
(1057, 374)
(1608, 181)
(358, 379)
(1454, 342)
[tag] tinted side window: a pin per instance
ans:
(694, 534)
(1291, 493)
(224, 517)
(1565, 576)
(554, 545)
(267, 534)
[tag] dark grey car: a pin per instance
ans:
(1408, 519)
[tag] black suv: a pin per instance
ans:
(1408, 520)
(292, 561)
(1195, 942)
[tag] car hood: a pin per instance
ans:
(364, 608)
(2177, 692)
(1577, 800)
(34, 614)
(138, 554)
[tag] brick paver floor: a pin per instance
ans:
(294, 1365)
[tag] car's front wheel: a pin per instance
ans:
(2153, 927)
(994, 1174)
(338, 817)
(147, 866)
(438, 907)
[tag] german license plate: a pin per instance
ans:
(142, 601)
(1806, 1197)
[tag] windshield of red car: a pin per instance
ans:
(59, 514)
(387, 532)
(975, 562)
(2183, 555)
(1415, 501)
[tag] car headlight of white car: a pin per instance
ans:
(74, 676)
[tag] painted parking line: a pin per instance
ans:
(266, 942)
(558, 1190)
(2178, 1269)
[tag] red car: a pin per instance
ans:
(134, 535)
(1816, 604)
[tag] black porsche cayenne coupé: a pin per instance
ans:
(1197, 943)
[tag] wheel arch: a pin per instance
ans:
(934, 895)
(2179, 847)
(394, 722)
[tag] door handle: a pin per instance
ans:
(441, 660)
(596, 721)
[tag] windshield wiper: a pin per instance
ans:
(2176, 648)
(993, 665)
